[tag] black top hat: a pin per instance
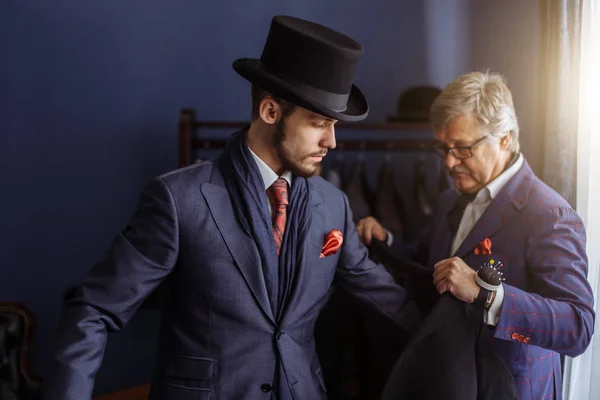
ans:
(311, 66)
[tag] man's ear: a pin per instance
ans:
(269, 111)
(505, 141)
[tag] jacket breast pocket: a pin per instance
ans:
(188, 378)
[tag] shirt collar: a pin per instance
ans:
(493, 188)
(268, 175)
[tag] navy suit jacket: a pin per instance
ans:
(218, 336)
(548, 301)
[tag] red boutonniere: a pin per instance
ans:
(333, 241)
(484, 247)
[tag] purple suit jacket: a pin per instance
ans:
(547, 308)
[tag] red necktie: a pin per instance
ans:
(278, 196)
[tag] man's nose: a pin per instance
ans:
(450, 161)
(328, 140)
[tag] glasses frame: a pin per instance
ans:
(442, 150)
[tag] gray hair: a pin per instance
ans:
(487, 97)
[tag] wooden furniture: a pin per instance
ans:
(17, 379)
(190, 139)
(135, 393)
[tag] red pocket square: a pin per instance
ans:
(333, 241)
(484, 247)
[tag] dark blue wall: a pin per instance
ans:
(89, 100)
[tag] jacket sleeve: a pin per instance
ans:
(557, 313)
(140, 257)
(371, 282)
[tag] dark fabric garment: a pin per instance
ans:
(334, 174)
(246, 190)
(444, 183)
(422, 198)
(415, 278)
(388, 204)
(452, 355)
(378, 342)
(358, 193)
(358, 348)
(336, 335)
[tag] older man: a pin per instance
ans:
(501, 214)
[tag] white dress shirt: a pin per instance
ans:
(268, 175)
(473, 212)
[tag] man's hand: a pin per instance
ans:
(369, 228)
(456, 277)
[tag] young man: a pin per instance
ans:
(249, 244)
(501, 213)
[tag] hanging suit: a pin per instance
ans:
(334, 176)
(388, 204)
(358, 193)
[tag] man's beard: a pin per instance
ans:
(291, 163)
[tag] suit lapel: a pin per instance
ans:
(242, 248)
(310, 256)
(510, 199)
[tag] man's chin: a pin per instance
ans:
(462, 184)
(307, 171)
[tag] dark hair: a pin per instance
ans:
(258, 94)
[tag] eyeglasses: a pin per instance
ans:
(458, 152)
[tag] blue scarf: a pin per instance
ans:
(249, 198)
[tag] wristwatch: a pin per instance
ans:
(489, 279)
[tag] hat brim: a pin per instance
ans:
(357, 107)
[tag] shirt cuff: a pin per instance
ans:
(389, 238)
(492, 316)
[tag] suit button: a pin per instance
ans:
(265, 387)
(520, 338)
(515, 336)
(526, 340)
(279, 334)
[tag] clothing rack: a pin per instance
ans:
(190, 140)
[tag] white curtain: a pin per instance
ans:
(561, 68)
(582, 374)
